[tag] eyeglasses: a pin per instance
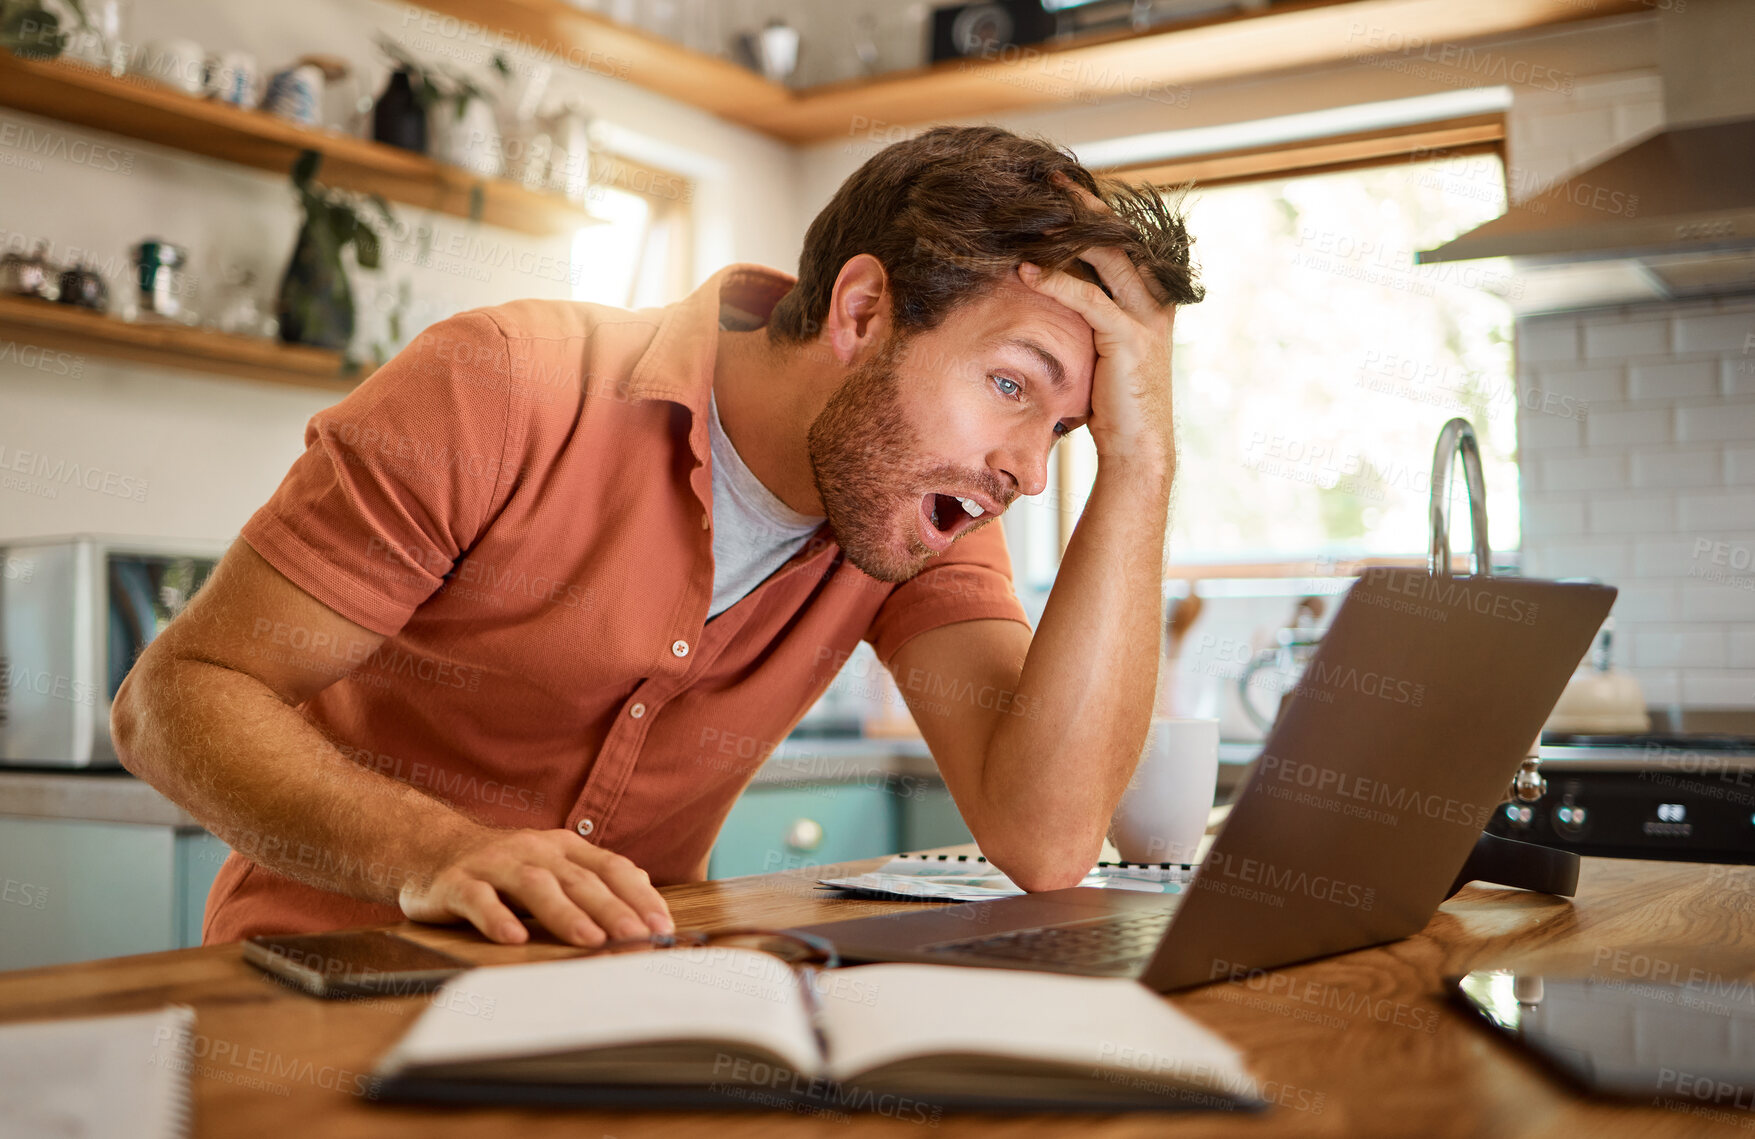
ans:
(793, 948)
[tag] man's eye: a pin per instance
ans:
(1002, 381)
(1060, 429)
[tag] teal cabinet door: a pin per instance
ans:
(72, 890)
(199, 856)
(781, 827)
(930, 818)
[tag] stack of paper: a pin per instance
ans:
(959, 878)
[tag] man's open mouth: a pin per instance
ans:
(944, 516)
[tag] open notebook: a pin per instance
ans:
(727, 1027)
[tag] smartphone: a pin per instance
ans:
(1690, 1040)
(354, 964)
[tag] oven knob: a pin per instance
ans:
(1569, 819)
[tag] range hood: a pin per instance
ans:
(1670, 217)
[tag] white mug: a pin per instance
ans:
(1163, 813)
(233, 77)
(296, 94)
(175, 63)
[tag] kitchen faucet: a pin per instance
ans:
(1458, 438)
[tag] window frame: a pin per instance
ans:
(673, 209)
(1422, 141)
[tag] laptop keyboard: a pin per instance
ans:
(1103, 945)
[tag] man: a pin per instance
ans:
(477, 655)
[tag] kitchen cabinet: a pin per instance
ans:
(779, 827)
(101, 865)
(73, 889)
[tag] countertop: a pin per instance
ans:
(1363, 1044)
(111, 796)
(114, 796)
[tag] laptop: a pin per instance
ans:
(1398, 742)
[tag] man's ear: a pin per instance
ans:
(859, 309)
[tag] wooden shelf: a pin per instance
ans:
(67, 328)
(1156, 64)
(140, 109)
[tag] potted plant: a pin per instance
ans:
(30, 31)
(399, 114)
(462, 128)
(315, 304)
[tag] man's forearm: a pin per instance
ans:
(267, 782)
(1051, 778)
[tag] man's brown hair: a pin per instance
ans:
(952, 211)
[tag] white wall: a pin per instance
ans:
(210, 450)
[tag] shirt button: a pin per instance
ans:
(637, 711)
(680, 648)
(585, 827)
(705, 522)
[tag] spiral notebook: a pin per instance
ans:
(971, 878)
(125, 1077)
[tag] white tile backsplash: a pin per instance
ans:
(1649, 425)
(1617, 340)
(1700, 648)
(1724, 510)
(1673, 378)
(1662, 479)
(1664, 557)
(1562, 472)
(1742, 642)
(1592, 385)
(1716, 332)
(1718, 688)
(1643, 514)
(1710, 600)
(1555, 517)
(1654, 469)
(1728, 419)
(1551, 343)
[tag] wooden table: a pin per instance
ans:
(1356, 1045)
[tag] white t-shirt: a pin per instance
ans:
(754, 533)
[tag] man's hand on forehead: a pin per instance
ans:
(1083, 269)
(1131, 328)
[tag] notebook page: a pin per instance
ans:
(707, 993)
(1088, 1023)
(125, 1077)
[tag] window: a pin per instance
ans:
(638, 256)
(1312, 382)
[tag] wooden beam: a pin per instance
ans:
(1160, 65)
(572, 39)
(1451, 138)
(1164, 65)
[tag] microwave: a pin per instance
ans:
(75, 613)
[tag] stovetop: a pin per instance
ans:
(1683, 751)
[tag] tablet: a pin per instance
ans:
(1689, 1040)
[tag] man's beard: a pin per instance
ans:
(864, 457)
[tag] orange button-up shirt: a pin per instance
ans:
(522, 503)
